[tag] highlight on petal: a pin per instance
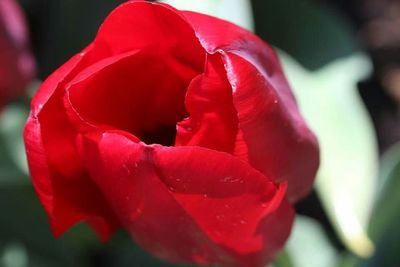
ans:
(210, 212)
(272, 135)
(276, 138)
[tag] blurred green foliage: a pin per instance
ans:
(384, 224)
(312, 32)
(347, 176)
(24, 232)
(61, 28)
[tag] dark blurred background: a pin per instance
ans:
(314, 32)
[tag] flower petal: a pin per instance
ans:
(234, 37)
(213, 120)
(277, 140)
(189, 204)
(142, 25)
(120, 92)
(272, 135)
(59, 179)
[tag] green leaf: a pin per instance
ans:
(386, 210)
(14, 255)
(308, 245)
(24, 230)
(13, 164)
(283, 260)
(122, 252)
(236, 11)
(347, 179)
(313, 32)
(63, 28)
(9, 173)
(348, 260)
(384, 225)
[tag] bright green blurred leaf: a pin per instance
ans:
(13, 163)
(236, 11)
(308, 245)
(12, 121)
(14, 255)
(346, 183)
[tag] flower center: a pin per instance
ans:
(163, 135)
(142, 93)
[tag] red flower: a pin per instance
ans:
(179, 127)
(17, 66)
